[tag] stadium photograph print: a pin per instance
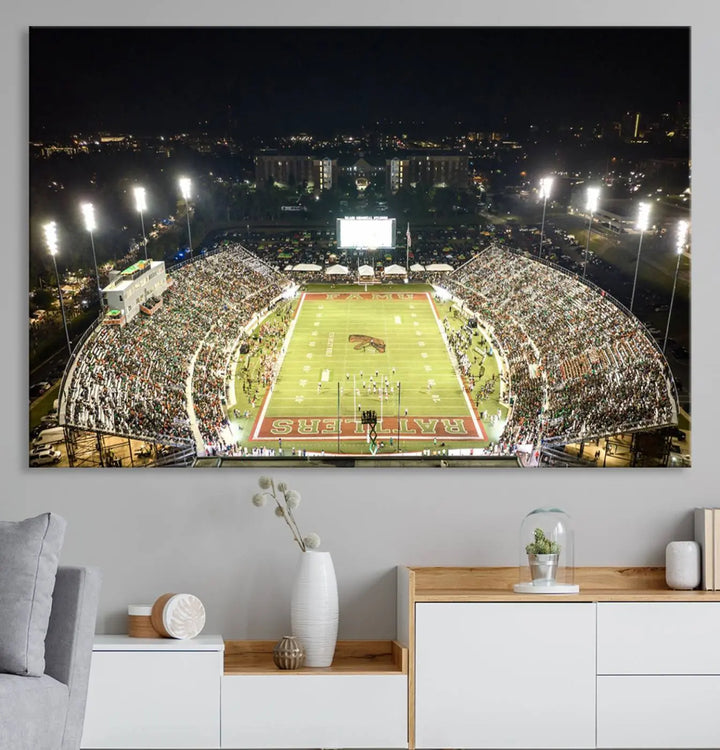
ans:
(460, 274)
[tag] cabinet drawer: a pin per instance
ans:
(658, 712)
(367, 711)
(658, 638)
(147, 699)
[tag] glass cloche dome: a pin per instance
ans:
(546, 553)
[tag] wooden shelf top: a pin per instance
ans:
(351, 657)
(599, 584)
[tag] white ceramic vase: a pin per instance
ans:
(682, 565)
(314, 608)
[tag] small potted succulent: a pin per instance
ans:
(543, 555)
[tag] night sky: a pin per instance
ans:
(278, 80)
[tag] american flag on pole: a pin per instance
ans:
(407, 235)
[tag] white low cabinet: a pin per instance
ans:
(498, 675)
(314, 711)
(154, 693)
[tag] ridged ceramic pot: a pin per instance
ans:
(288, 653)
(314, 608)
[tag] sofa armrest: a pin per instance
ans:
(69, 642)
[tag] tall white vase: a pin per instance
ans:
(314, 608)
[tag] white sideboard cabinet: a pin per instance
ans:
(625, 663)
(154, 693)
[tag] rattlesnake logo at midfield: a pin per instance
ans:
(362, 342)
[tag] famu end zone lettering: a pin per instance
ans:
(411, 428)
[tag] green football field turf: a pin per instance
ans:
(342, 346)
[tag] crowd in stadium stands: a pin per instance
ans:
(579, 366)
(133, 380)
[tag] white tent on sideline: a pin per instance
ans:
(307, 267)
(395, 270)
(439, 267)
(336, 270)
(366, 271)
(417, 267)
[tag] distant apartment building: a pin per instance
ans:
(397, 174)
(407, 170)
(296, 169)
(144, 281)
(431, 170)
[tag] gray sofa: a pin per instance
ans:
(47, 712)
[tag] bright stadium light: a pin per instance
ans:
(140, 203)
(545, 188)
(643, 221)
(140, 206)
(88, 212)
(185, 191)
(51, 237)
(681, 241)
(593, 197)
(50, 230)
(185, 187)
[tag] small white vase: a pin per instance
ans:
(314, 608)
(682, 565)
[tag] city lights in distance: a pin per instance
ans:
(50, 230)
(593, 197)
(88, 212)
(643, 220)
(545, 187)
(140, 203)
(185, 187)
(682, 232)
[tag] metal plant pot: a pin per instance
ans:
(543, 568)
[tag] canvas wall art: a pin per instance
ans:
(378, 246)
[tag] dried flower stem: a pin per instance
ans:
(286, 500)
(287, 514)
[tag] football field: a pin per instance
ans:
(350, 352)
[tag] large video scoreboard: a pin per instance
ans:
(372, 232)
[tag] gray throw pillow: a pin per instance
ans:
(29, 552)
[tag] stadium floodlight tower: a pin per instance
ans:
(88, 212)
(51, 240)
(682, 232)
(545, 188)
(185, 190)
(141, 206)
(643, 221)
(593, 197)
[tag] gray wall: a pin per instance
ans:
(196, 531)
